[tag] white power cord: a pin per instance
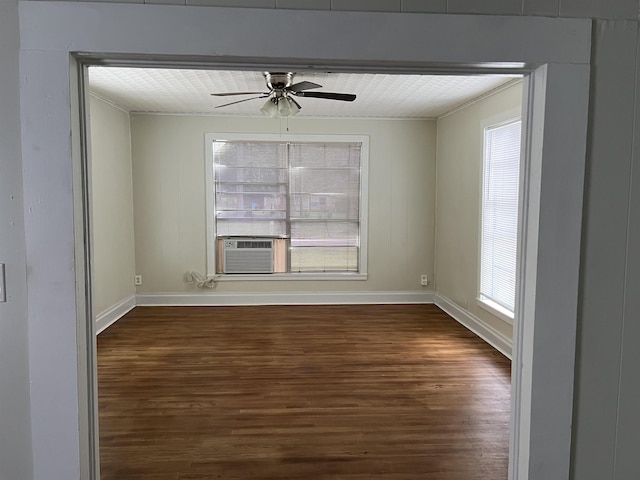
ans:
(195, 278)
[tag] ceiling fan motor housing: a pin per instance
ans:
(278, 81)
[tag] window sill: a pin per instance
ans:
(496, 309)
(291, 277)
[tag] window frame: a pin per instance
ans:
(485, 302)
(211, 243)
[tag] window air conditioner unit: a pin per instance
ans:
(248, 255)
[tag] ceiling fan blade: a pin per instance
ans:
(240, 101)
(298, 87)
(345, 97)
(237, 93)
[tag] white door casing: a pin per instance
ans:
(555, 51)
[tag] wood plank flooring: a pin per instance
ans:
(393, 392)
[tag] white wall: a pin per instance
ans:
(459, 181)
(112, 206)
(169, 199)
(15, 422)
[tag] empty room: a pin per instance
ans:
(313, 276)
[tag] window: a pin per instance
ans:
(499, 229)
(305, 193)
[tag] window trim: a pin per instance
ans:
(210, 201)
(482, 300)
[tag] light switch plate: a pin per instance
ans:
(3, 286)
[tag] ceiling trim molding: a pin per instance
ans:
(479, 98)
(109, 102)
(310, 117)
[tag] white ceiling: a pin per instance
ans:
(378, 95)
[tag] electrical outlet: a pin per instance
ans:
(424, 280)
(138, 280)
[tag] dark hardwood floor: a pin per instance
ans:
(397, 392)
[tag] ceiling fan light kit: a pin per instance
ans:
(288, 107)
(280, 101)
(280, 107)
(270, 108)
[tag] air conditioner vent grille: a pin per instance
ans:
(248, 261)
(253, 244)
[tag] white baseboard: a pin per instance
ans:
(291, 298)
(113, 314)
(489, 334)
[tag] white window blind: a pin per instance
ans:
(325, 203)
(250, 188)
(308, 193)
(499, 231)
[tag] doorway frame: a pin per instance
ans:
(57, 39)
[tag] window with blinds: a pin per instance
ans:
(305, 192)
(499, 226)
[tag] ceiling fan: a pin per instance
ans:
(281, 92)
